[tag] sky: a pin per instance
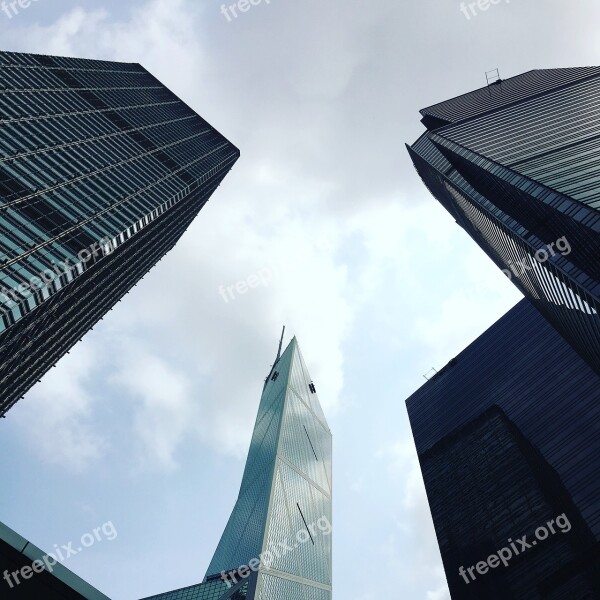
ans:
(145, 424)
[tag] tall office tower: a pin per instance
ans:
(102, 169)
(517, 164)
(507, 439)
(277, 543)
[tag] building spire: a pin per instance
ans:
(280, 343)
(276, 358)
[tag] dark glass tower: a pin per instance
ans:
(507, 438)
(517, 164)
(277, 543)
(102, 169)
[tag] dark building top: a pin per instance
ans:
(506, 92)
(517, 165)
(507, 441)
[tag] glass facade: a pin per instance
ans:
(210, 590)
(508, 444)
(281, 522)
(102, 169)
(517, 164)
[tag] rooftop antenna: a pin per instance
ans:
(280, 343)
(493, 78)
(276, 360)
(429, 372)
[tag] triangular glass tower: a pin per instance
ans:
(277, 543)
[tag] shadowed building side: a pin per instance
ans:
(507, 440)
(517, 165)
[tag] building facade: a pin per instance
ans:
(517, 165)
(102, 169)
(277, 542)
(507, 439)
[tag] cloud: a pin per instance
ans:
(441, 593)
(414, 526)
(165, 409)
(57, 414)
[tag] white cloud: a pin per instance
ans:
(57, 415)
(440, 593)
(413, 526)
(166, 409)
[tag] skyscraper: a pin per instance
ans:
(277, 543)
(517, 165)
(508, 444)
(102, 169)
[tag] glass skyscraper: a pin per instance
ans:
(102, 169)
(507, 439)
(517, 165)
(277, 543)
